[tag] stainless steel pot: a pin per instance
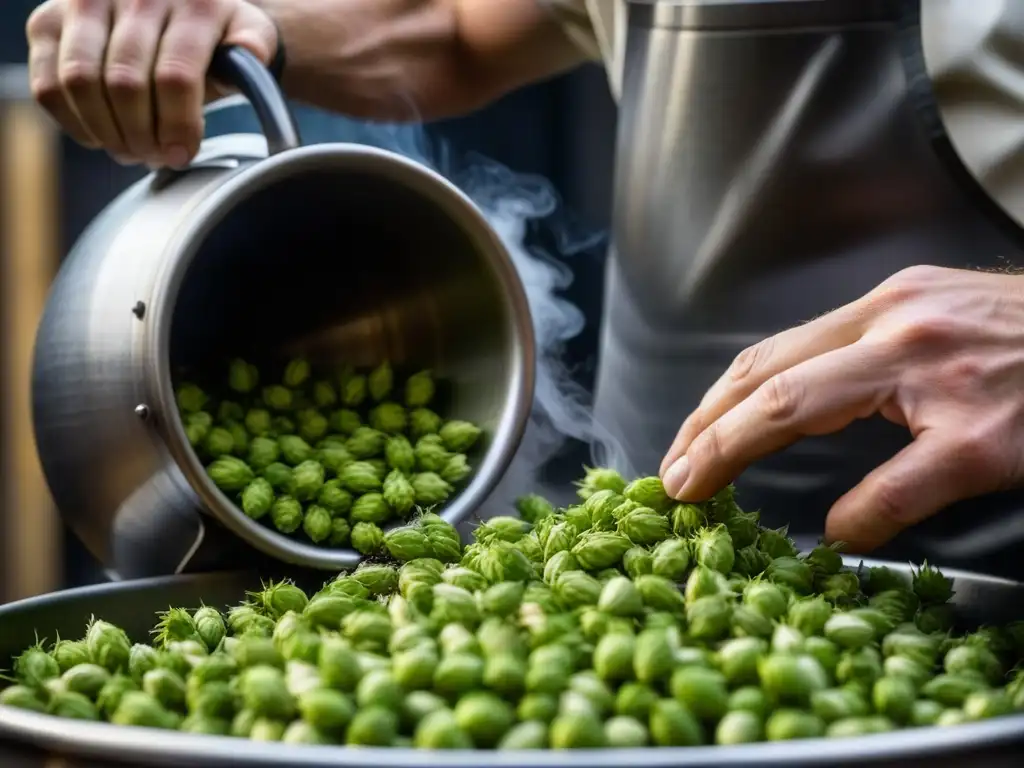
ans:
(338, 252)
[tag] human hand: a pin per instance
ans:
(940, 351)
(129, 76)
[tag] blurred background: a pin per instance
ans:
(51, 189)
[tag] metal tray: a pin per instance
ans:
(132, 605)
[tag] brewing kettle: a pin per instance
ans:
(777, 159)
(341, 253)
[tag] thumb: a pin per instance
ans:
(254, 30)
(925, 477)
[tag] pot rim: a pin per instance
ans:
(178, 256)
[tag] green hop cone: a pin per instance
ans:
(577, 730)
(68, 654)
(313, 426)
(324, 394)
(243, 377)
(620, 597)
(743, 529)
(296, 373)
(262, 453)
(419, 389)
(294, 450)
(354, 391)
(219, 442)
(673, 725)
(141, 709)
(600, 479)
(894, 698)
(671, 559)
(653, 656)
(644, 527)
(809, 615)
(258, 421)
(931, 586)
(191, 398)
(286, 514)
(660, 594)
(366, 443)
(440, 730)
(704, 582)
(834, 704)
(750, 562)
(389, 418)
(739, 727)
(686, 519)
(791, 724)
(456, 469)
(230, 474)
(713, 549)
(431, 455)
(367, 538)
(597, 550)
(317, 523)
(502, 599)
(849, 631)
(344, 421)
(380, 381)
(484, 717)
(613, 657)
(334, 497)
(341, 533)
(459, 436)
(399, 453)
(738, 659)
(577, 588)
(335, 458)
(278, 398)
(792, 677)
(278, 475)
(370, 508)
(637, 561)
(197, 427)
(307, 480)
(35, 666)
(112, 692)
(423, 421)
(408, 543)
(430, 489)
(399, 493)
(257, 498)
(825, 559)
(709, 618)
(360, 477)
(209, 626)
(263, 691)
(282, 425)
(648, 492)
(703, 691)
(532, 508)
(108, 645)
(166, 687)
(791, 572)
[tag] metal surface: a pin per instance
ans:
(766, 174)
(339, 252)
(990, 744)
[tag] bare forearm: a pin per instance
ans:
(415, 59)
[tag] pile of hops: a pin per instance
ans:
(628, 620)
(332, 458)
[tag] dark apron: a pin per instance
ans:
(871, 185)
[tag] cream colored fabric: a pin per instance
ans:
(975, 54)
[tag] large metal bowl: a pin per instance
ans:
(979, 599)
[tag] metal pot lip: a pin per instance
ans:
(178, 256)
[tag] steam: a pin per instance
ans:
(511, 202)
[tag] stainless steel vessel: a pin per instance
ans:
(777, 159)
(337, 252)
(995, 743)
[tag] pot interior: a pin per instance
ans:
(354, 260)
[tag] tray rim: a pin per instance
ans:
(166, 748)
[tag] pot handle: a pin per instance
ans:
(237, 67)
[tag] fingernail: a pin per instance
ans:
(176, 156)
(124, 160)
(675, 477)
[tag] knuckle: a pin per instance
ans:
(87, 7)
(748, 362)
(46, 91)
(907, 284)
(177, 77)
(77, 76)
(779, 398)
(122, 80)
(144, 7)
(202, 9)
(925, 332)
(42, 21)
(707, 448)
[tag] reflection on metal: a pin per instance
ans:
(30, 549)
